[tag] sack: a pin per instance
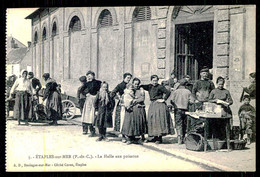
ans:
(194, 141)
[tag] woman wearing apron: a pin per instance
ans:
(88, 113)
(119, 112)
(159, 118)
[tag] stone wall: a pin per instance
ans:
(67, 56)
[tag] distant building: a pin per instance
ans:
(67, 42)
(17, 58)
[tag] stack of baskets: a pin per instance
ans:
(237, 144)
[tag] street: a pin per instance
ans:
(40, 147)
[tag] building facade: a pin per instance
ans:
(67, 42)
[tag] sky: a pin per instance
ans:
(17, 26)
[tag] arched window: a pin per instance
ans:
(75, 24)
(54, 29)
(44, 34)
(141, 13)
(105, 19)
(35, 37)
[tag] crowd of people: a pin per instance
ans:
(123, 108)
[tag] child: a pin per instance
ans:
(103, 105)
(128, 96)
(180, 99)
(247, 115)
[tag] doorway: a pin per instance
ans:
(193, 48)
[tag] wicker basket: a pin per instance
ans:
(238, 144)
(218, 144)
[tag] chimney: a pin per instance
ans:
(12, 43)
(29, 44)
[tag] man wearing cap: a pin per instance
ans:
(201, 90)
(180, 100)
(81, 97)
(36, 84)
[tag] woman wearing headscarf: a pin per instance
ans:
(90, 89)
(23, 90)
(53, 103)
(159, 118)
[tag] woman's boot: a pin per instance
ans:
(92, 130)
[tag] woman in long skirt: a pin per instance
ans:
(103, 110)
(88, 112)
(53, 103)
(159, 118)
(135, 123)
(23, 91)
(119, 109)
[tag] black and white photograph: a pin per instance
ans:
(131, 88)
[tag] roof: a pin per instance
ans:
(16, 55)
(36, 12)
(8, 43)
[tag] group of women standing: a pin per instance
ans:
(130, 116)
(24, 93)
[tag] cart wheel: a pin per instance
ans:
(68, 109)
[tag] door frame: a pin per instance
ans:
(170, 33)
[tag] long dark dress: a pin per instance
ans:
(104, 117)
(53, 103)
(135, 123)
(159, 118)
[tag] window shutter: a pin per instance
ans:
(105, 19)
(141, 14)
(75, 24)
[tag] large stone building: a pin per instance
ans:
(67, 42)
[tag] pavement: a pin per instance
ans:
(221, 160)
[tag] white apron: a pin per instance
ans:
(88, 112)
